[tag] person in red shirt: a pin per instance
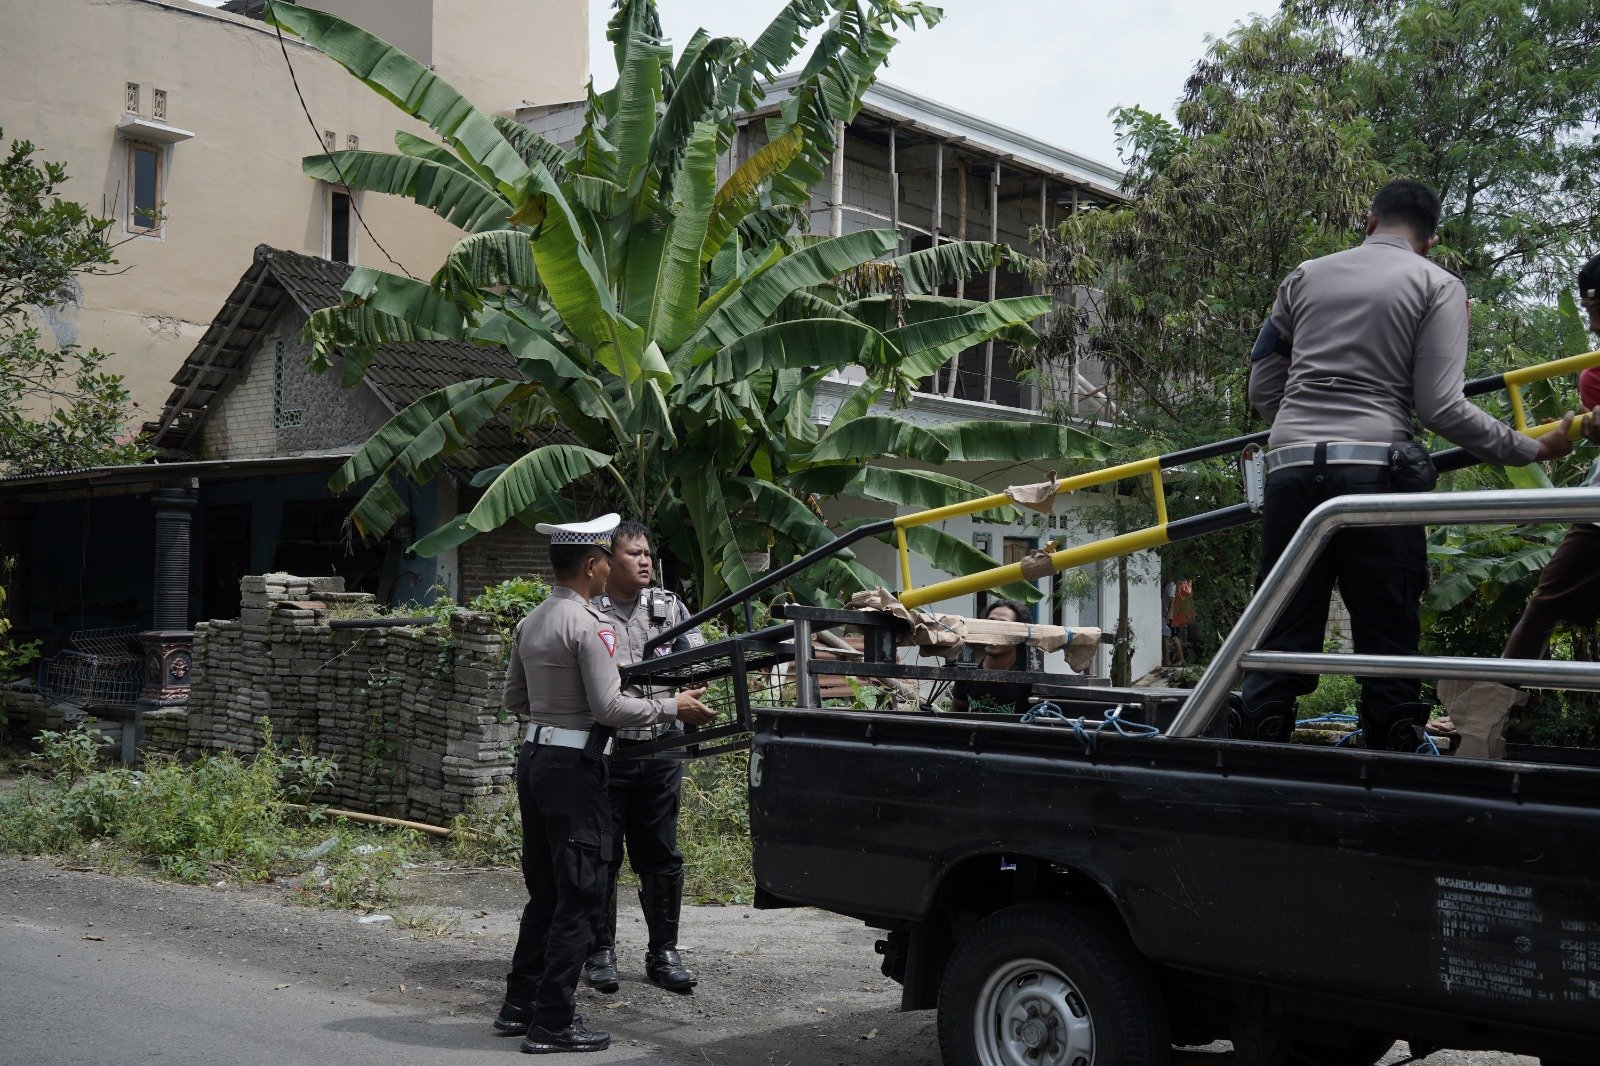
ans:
(1568, 592)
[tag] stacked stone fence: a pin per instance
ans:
(411, 715)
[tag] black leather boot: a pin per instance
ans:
(1398, 728)
(542, 1041)
(513, 1017)
(1270, 721)
(600, 968)
(661, 896)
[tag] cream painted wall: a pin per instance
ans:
(511, 52)
(237, 182)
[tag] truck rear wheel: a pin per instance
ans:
(1045, 985)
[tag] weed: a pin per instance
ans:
(72, 754)
(714, 830)
(1333, 695)
(429, 921)
(355, 868)
(489, 833)
(218, 816)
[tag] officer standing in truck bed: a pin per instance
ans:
(1356, 342)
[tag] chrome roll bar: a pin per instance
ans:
(1240, 648)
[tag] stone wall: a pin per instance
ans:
(499, 555)
(411, 715)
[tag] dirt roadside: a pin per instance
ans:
(777, 987)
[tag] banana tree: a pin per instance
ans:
(673, 327)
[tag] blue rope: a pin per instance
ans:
(1087, 736)
(1427, 747)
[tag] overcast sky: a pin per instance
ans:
(1051, 68)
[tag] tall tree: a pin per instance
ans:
(1269, 164)
(1493, 103)
(58, 409)
(671, 327)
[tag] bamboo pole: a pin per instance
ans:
(961, 235)
(894, 190)
(380, 819)
(836, 204)
(994, 236)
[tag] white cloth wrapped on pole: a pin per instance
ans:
(947, 634)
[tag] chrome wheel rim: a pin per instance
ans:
(1029, 1014)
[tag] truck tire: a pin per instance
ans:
(1046, 985)
(1361, 1049)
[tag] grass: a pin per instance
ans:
(227, 818)
(713, 831)
(220, 818)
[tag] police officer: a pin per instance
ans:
(1356, 342)
(644, 792)
(563, 675)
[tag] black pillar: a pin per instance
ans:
(169, 648)
(174, 516)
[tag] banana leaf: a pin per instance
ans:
(523, 485)
(460, 199)
(957, 558)
(750, 307)
(923, 490)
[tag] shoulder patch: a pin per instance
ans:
(608, 637)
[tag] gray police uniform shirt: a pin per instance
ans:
(563, 670)
(1359, 339)
(635, 628)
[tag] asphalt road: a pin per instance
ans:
(126, 970)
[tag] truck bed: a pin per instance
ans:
(1464, 893)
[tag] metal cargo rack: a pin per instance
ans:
(735, 672)
(102, 667)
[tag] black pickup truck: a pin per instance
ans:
(1092, 900)
(1067, 894)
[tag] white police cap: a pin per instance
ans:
(596, 531)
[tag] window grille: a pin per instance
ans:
(282, 417)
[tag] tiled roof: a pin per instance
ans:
(399, 374)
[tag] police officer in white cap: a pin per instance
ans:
(563, 676)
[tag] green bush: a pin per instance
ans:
(489, 833)
(714, 830)
(222, 815)
(510, 601)
(350, 869)
(1333, 695)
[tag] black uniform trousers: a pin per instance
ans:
(1381, 573)
(644, 810)
(566, 857)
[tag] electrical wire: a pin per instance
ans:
(328, 152)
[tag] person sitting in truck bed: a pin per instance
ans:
(997, 697)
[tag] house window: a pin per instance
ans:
(282, 417)
(144, 188)
(338, 239)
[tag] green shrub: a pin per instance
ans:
(489, 833)
(220, 815)
(1333, 695)
(714, 829)
(351, 869)
(510, 601)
